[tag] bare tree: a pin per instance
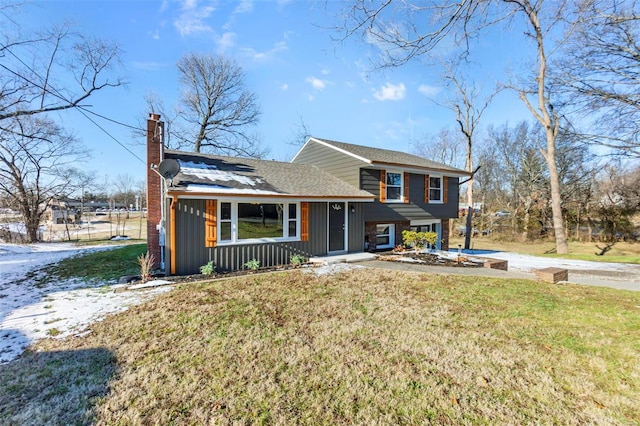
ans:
(217, 111)
(407, 30)
(464, 97)
(36, 165)
(617, 201)
(600, 71)
(300, 134)
(444, 147)
(124, 185)
(54, 69)
(520, 167)
(170, 115)
(467, 102)
(34, 67)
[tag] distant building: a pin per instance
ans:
(59, 212)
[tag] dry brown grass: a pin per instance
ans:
(372, 347)
(99, 227)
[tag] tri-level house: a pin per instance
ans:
(332, 198)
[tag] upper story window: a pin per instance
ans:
(394, 187)
(435, 188)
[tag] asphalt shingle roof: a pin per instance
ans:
(234, 175)
(387, 156)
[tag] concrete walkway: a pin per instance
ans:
(575, 277)
(598, 275)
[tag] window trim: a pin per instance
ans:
(384, 186)
(285, 222)
(441, 188)
(392, 235)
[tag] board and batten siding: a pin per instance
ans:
(355, 239)
(191, 252)
(336, 163)
(416, 208)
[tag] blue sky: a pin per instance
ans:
(291, 62)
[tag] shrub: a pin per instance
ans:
(146, 262)
(253, 264)
(419, 240)
(208, 269)
(297, 259)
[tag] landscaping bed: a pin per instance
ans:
(437, 258)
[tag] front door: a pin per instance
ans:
(336, 226)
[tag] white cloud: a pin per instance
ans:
(149, 66)
(284, 87)
(226, 41)
(192, 18)
(155, 34)
(390, 92)
(428, 91)
(269, 54)
(316, 83)
(245, 6)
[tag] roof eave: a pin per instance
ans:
(449, 172)
(209, 194)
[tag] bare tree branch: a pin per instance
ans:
(217, 106)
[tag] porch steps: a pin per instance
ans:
(342, 258)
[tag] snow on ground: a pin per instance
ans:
(332, 269)
(29, 312)
(527, 263)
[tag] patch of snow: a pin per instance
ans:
(331, 269)
(217, 189)
(30, 312)
(408, 259)
(205, 171)
(150, 284)
(196, 165)
(18, 228)
(527, 263)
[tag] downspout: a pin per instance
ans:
(172, 236)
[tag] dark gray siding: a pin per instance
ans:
(356, 227)
(340, 165)
(416, 209)
(191, 252)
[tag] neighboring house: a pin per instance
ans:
(332, 198)
(59, 212)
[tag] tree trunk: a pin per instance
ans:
(32, 224)
(527, 218)
(469, 228)
(556, 200)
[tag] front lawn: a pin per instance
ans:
(366, 347)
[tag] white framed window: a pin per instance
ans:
(435, 189)
(428, 225)
(394, 186)
(225, 222)
(258, 221)
(385, 235)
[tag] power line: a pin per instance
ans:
(111, 119)
(112, 137)
(81, 109)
